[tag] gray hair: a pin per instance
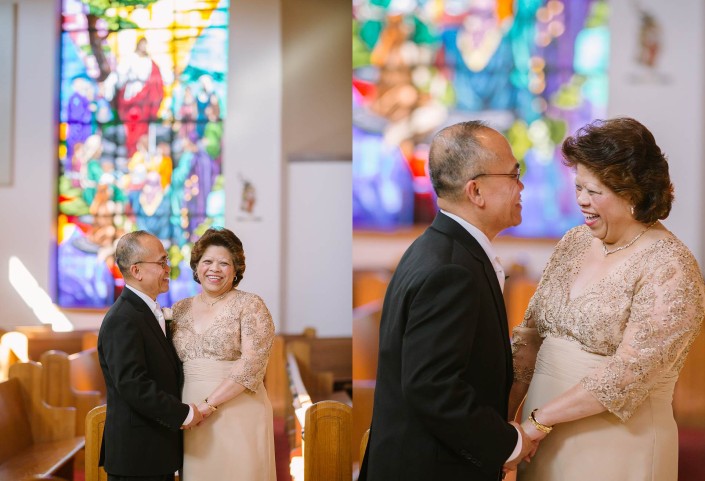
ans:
(457, 156)
(129, 250)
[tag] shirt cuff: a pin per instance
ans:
(517, 449)
(189, 417)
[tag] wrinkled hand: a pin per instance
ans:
(197, 418)
(528, 449)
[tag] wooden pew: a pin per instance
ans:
(327, 441)
(366, 321)
(325, 363)
(57, 389)
(86, 374)
(43, 338)
(275, 380)
(42, 437)
(95, 424)
(323, 439)
(13, 349)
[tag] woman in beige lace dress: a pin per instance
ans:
(223, 337)
(612, 320)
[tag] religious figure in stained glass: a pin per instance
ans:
(143, 86)
(534, 69)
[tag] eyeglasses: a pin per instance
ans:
(164, 263)
(516, 176)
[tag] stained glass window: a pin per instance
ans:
(142, 104)
(534, 69)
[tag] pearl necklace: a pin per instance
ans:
(210, 304)
(608, 252)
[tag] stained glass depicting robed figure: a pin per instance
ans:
(142, 104)
(534, 69)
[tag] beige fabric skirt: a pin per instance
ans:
(599, 447)
(236, 443)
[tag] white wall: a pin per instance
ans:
(669, 101)
(252, 144)
(28, 205)
(252, 149)
(319, 247)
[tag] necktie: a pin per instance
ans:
(499, 270)
(160, 318)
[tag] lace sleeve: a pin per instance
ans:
(526, 339)
(257, 334)
(525, 346)
(666, 313)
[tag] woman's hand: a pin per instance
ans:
(205, 411)
(531, 431)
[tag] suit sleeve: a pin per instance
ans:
(124, 352)
(437, 345)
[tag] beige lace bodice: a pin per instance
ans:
(242, 332)
(643, 317)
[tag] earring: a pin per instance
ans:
(632, 210)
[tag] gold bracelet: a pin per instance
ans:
(212, 408)
(541, 427)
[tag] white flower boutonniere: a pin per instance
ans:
(168, 315)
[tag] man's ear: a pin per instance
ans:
(471, 191)
(135, 272)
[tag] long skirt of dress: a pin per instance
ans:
(645, 448)
(236, 443)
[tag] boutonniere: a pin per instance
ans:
(168, 320)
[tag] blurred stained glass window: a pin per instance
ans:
(534, 69)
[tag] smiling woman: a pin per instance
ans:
(223, 336)
(607, 332)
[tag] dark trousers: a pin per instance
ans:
(168, 477)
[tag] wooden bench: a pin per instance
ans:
(43, 442)
(58, 391)
(86, 374)
(13, 349)
(95, 424)
(325, 364)
(323, 436)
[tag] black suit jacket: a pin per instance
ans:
(445, 366)
(143, 377)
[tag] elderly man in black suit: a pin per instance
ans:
(445, 364)
(142, 437)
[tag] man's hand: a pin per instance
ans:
(197, 418)
(528, 449)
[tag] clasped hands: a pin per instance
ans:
(530, 439)
(200, 413)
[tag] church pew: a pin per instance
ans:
(13, 349)
(275, 381)
(327, 442)
(86, 374)
(42, 339)
(57, 388)
(95, 424)
(323, 358)
(322, 439)
(43, 441)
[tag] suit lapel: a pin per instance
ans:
(153, 326)
(447, 225)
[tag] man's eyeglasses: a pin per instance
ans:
(516, 176)
(164, 263)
